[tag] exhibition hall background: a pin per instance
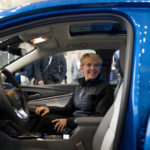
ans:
(6, 4)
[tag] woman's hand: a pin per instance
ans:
(60, 124)
(42, 111)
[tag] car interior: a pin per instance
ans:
(105, 35)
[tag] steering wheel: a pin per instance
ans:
(12, 100)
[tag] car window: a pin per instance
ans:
(61, 68)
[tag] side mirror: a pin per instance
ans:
(22, 79)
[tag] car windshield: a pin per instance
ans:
(12, 49)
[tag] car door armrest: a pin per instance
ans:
(88, 121)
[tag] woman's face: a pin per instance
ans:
(90, 69)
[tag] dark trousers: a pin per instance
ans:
(45, 125)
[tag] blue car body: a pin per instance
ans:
(136, 133)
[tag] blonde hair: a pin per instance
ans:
(90, 55)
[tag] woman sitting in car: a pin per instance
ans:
(92, 97)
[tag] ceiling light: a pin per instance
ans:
(39, 40)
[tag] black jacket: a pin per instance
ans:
(91, 98)
(56, 71)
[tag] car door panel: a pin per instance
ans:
(38, 92)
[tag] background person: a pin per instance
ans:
(92, 97)
(114, 75)
(25, 76)
(50, 70)
(29, 71)
(76, 73)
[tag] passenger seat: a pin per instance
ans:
(105, 133)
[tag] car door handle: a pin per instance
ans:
(36, 95)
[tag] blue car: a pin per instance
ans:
(117, 30)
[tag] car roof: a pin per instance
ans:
(67, 4)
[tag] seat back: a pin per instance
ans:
(105, 133)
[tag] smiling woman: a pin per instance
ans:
(91, 98)
(90, 66)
